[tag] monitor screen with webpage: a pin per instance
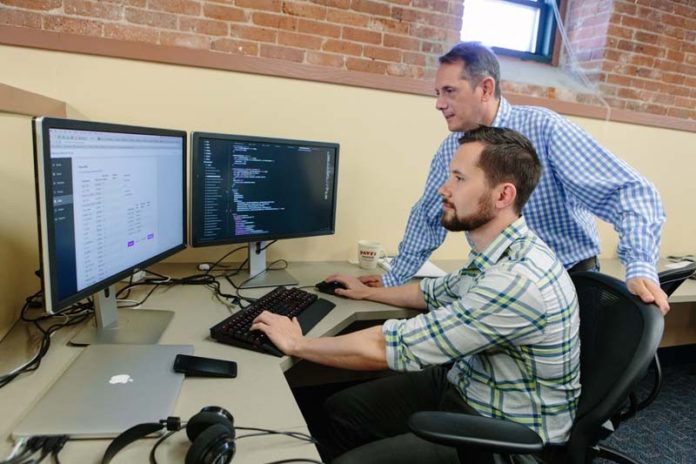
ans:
(255, 189)
(111, 200)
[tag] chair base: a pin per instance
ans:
(616, 456)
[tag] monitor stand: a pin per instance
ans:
(259, 275)
(122, 326)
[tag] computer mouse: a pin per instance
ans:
(329, 287)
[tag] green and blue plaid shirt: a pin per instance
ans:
(509, 322)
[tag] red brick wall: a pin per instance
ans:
(641, 53)
(392, 37)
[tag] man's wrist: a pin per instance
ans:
(641, 269)
(296, 348)
(372, 293)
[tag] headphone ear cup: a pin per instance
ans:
(214, 445)
(201, 421)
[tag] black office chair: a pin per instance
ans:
(670, 280)
(619, 335)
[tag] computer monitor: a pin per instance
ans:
(256, 189)
(111, 200)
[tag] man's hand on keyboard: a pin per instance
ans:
(281, 330)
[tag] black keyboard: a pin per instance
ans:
(291, 302)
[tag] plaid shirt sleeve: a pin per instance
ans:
(614, 192)
(501, 308)
(423, 230)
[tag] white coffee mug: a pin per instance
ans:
(369, 253)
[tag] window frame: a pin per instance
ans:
(547, 30)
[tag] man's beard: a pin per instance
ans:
(482, 216)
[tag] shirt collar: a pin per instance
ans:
(501, 117)
(497, 248)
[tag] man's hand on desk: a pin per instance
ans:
(355, 287)
(649, 291)
(372, 280)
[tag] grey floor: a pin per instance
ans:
(665, 431)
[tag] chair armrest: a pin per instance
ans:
(452, 429)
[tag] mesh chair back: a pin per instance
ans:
(619, 335)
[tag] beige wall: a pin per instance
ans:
(18, 233)
(387, 140)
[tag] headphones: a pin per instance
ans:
(211, 432)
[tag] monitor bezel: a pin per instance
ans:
(44, 198)
(196, 200)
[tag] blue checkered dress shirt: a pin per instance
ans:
(580, 178)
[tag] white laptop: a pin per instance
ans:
(106, 390)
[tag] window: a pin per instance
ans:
(522, 28)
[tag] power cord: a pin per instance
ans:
(217, 263)
(297, 435)
(295, 460)
(153, 458)
(75, 314)
(58, 447)
(238, 269)
(239, 287)
(45, 445)
(158, 280)
(81, 311)
(29, 448)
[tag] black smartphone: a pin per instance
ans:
(196, 366)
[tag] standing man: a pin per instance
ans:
(581, 179)
(507, 322)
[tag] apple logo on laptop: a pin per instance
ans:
(120, 378)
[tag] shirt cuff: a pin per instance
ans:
(390, 280)
(390, 330)
(641, 269)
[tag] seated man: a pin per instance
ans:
(499, 338)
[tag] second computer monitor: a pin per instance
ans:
(255, 189)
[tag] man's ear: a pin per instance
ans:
(487, 85)
(505, 195)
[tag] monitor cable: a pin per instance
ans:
(271, 267)
(260, 432)
(284, 461)
(241, 267)
(25, 453)
(239, 287)
(44, 445)
(158, 280)
(212, 434)
(211, 267)
(73, 315)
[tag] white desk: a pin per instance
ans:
(686, 293)
(258, 397)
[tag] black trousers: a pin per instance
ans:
(368, 422)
